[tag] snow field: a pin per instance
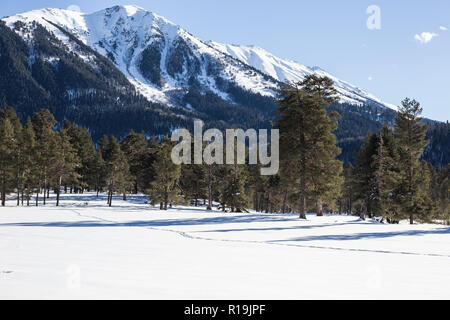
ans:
(134, 251)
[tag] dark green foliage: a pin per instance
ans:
(182, 57)
(307, 141)
(136, 150)
(165, 189)
(437, 151)
(390, 182)
(411, 134)
(150, 64)
(116, 168)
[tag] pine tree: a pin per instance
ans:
(411, 135)
(306, 136)
(17, 151)
(193, 182)
(44, 124)
(30, 172)
(64, 169)
(385, 175)
(348, 188)
(364, 176)
(135, 148)
(164, 189)
(210, 175)
(117, 169)
(82, 144)
(98, 172)
(7, 159)
(235, 192)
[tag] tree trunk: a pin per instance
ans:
(110, 198)
(209, 208)
(58, 191)
(124, 196)
(3, 193)
(166, 198)
(350, 205)
(45, 186)
(303, 187)
(283, 207)
(319, 207)
(363, 212)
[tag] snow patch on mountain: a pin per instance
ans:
(285, 70)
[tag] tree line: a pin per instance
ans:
(388, 181)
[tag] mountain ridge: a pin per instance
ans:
(127, 34)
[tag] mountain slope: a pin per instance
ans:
(40, 72)
(285, 70)
(158, 57)
(163, 61)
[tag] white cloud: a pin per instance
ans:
(370, 78)
(74, 7)
(425, 37)
(443, 28)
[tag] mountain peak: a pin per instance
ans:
(132, 9)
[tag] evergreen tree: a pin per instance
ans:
(117, 169)
(376, 176)
(306, 136)
(385, 176)
(30, 172)
(234, 194)
(98, 172)
(364, 176)
(348, 189)
(8, 144)
(164, 189)
(210, 176)
(81, 142)
(17, 151)
(44, 124)
(193, 182)
(411, 135)
(66, 162)
(135, 148)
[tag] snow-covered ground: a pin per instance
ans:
(87, 250)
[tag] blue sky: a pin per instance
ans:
(390, 63)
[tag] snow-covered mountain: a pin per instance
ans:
(285, 70)
(163, 61)
(157, 56)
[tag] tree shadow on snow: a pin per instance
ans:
(370, 235)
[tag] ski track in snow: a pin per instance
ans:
(191, 237)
